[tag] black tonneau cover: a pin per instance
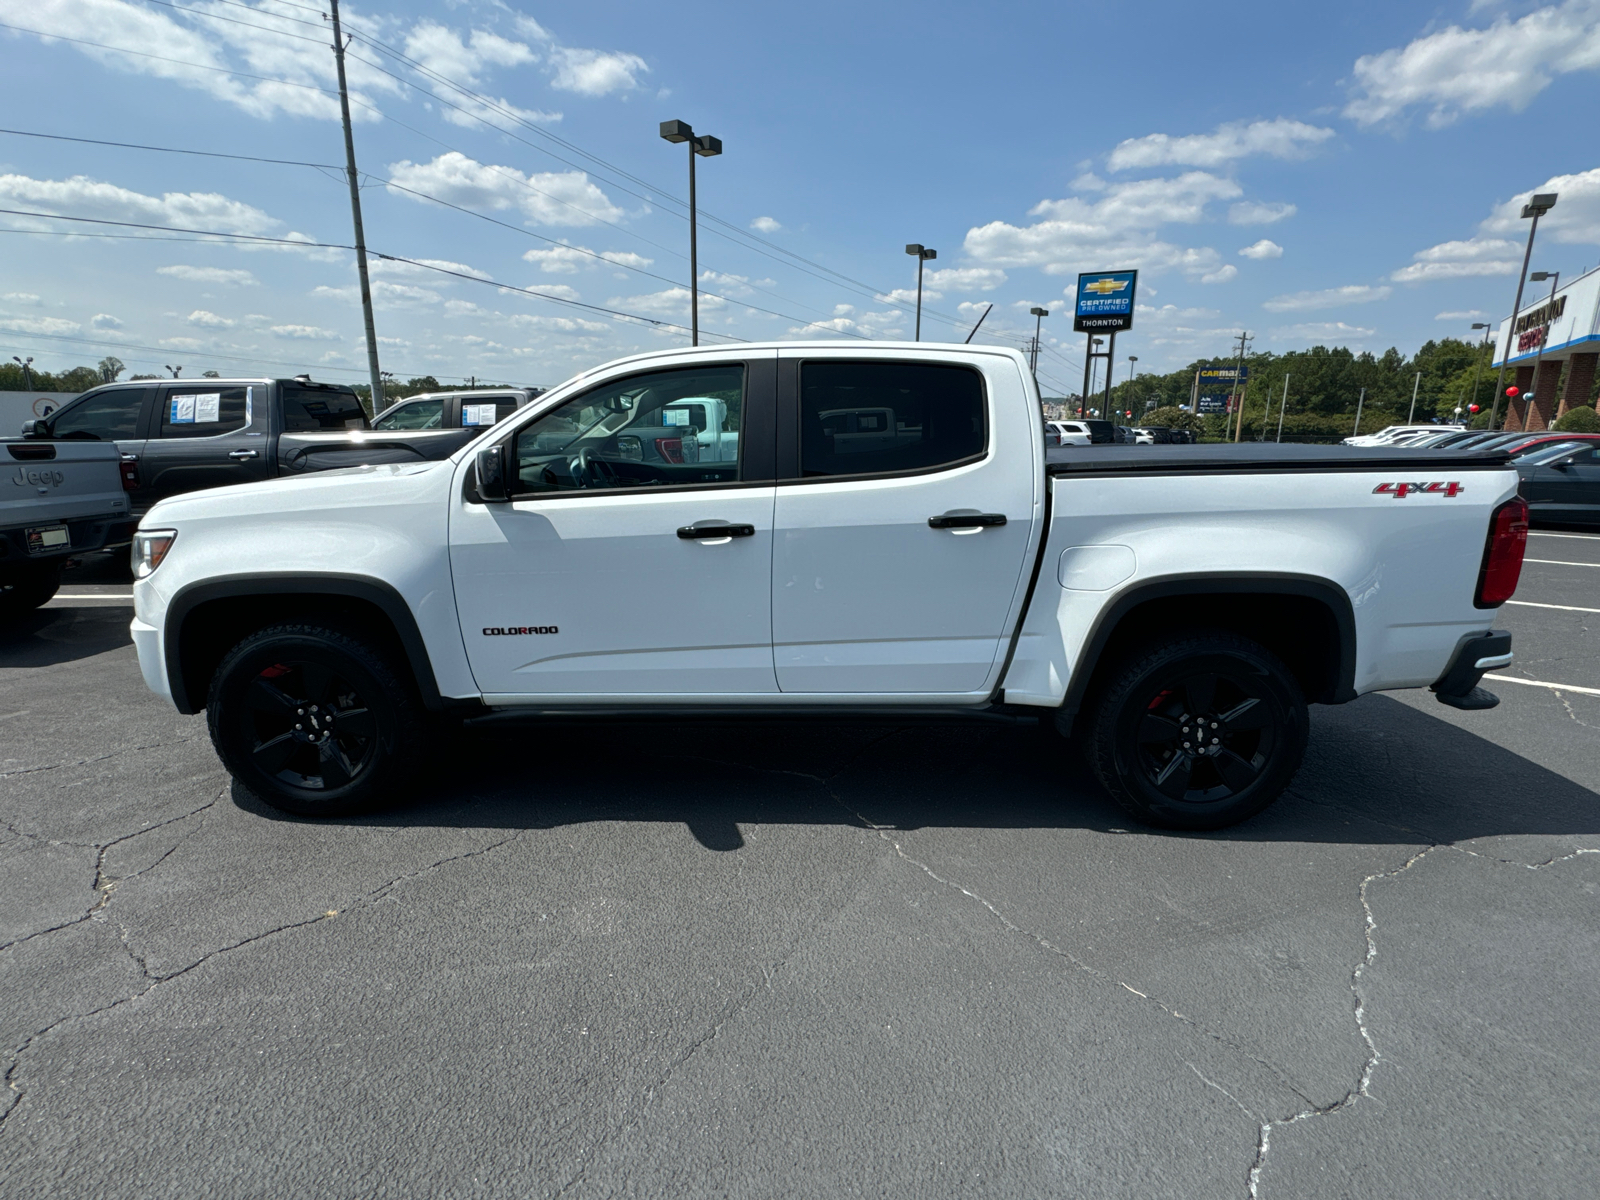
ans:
(1247, 457)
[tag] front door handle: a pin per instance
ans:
(966, 520)
(241, 455)
(716, 531)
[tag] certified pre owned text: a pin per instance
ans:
(512, 630)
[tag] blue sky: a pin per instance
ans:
(1338, 174)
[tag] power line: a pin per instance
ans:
(299, 37)
(59, 137)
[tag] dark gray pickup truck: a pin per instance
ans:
(184, 435)
(56, 500)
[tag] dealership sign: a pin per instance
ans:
(1105, 301)
(1565, 323)
(1214, 386)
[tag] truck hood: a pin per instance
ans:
(321, 492)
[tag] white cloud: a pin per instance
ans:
(1281, 138)
(568, 260)
(565, 292)
(543, 198)
(595, 72)
(188, 274)
(462, 60)
(1455, 70)
(1327, 298)
(38, 325)
(418, 269)
(181, 343)
(1265, 248)
(765, 225)
(1248, 212)
(81, 196)
(1114, 230)
(670, 303)
(1470, 314)
(1497, 247)
(965, 279)
(22, 298)
(208, 320)
(305, 333)
(104, 321)
(1322, 333)
(1221, 275)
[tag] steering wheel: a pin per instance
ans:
(592, 470)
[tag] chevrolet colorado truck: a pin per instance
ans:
(55, 501)
(891, 536)
(185, 435)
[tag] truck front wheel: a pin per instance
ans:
(1198, 731)
(315, 720)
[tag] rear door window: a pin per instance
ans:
(202, 411)
(872, 418)
(417, 414)
(307, 410)
(108, 416)
(479, 410)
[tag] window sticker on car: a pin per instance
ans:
(478, 414)
(182, 411)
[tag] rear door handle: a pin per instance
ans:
(716, 531)
(966, 520)
(241, 455)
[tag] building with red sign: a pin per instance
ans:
(1557, 338)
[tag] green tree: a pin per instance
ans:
(110, 368)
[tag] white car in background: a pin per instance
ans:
(1398, 435)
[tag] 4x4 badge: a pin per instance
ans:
(1401, 490)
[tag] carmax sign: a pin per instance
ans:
(1105, 301)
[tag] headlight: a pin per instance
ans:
(150, 546)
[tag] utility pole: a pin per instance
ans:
(1356, 432)
(1282, 405)
(355, 213)
(1477, 369)
(1411, 417)
(1238, 371)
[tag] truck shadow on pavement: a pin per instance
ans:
(1378, 771)
(51, 636)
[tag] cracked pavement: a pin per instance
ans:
(685, 959)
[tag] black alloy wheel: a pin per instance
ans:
(316, 720)
(1199, 731)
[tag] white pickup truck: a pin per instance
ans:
(1176, 607)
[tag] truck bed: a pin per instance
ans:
(1254, 457)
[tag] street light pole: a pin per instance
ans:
(705, 146)
(373, 372)
(1536, 207)
(1411, 417)
(1477, 370)
(27, 370)
(1038, 314)
(1356, 432)
(1133, 373)
(1539, 277)
(923, 254)
(1238, 371)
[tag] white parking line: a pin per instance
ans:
(1562, 607)
(1556, 562)
(1583, 537)
(80, 597)
(1556, 687)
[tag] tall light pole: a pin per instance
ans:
(1238, 372)
(923, 255)
(1539, 277)
(1411, 417)
(1478, 368)
(1133, 371)
(374, 374)
(27, 370)
(1038, 314)
(705, 146)
(1092, 367)
(1536, 207)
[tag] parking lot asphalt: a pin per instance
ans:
(685, 959)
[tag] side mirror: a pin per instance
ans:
(490, 469)
(36, 429)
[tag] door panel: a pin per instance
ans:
(631, 607)
(867, 596)
(204, 437)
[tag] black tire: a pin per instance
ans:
(29, 588)
(1198, 731)
(268, 713)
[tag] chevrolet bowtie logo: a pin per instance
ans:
(1106, 286)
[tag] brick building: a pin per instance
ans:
(1565, 326)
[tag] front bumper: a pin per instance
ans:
(1475, 654)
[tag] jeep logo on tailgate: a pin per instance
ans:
(25, 478)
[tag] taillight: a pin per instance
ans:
(130, 472)
(670, 449)
(1502, 557)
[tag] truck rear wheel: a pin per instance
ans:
(28, 587)
(1198, 731)
(316, 720)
